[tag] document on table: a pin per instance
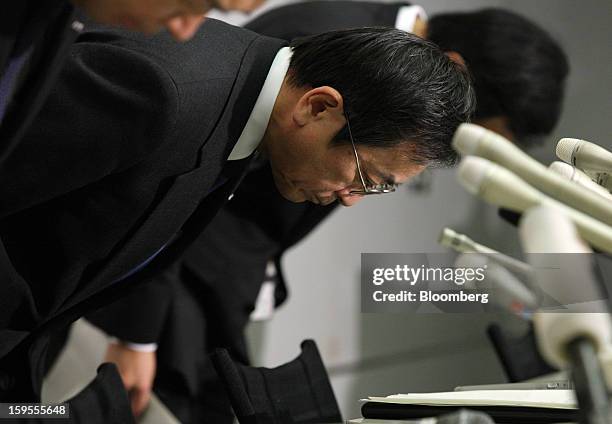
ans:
(557, 399)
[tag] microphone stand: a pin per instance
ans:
(589, 383)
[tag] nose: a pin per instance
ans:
(183, 27)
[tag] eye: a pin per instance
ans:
(381, 187)
(371, 184)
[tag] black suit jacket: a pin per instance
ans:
(119, 165)
(44, 31)
(314, 17)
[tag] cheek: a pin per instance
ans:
(342, 169)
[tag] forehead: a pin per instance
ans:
(392, 164)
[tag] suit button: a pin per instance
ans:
(7, 382)
(231, 196)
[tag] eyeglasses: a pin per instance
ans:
(367, 188)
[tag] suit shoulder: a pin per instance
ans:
(314, 17)
(212, 36)
(214, 51)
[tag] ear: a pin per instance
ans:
(321, 103)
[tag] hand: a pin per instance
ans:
(137, 370)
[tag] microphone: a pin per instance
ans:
(593, 159)
(584, 155)
(463, 244)
(576, 175)
(511, 294)
(569, 339)
(470, 139)
(604, 180)
(500, 187)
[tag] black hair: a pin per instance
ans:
(396, 87)
(518, 69)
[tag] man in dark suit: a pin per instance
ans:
(160, 134)
(519, 90)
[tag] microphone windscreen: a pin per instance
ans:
(467, 137)
(579, 177)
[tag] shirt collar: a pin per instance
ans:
(255, 127)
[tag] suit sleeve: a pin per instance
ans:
(140, 316)
(110, 108)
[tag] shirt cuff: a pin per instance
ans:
(407, 16)
(138, 347)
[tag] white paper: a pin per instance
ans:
(561, 399)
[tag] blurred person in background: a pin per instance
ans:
(36, 39)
